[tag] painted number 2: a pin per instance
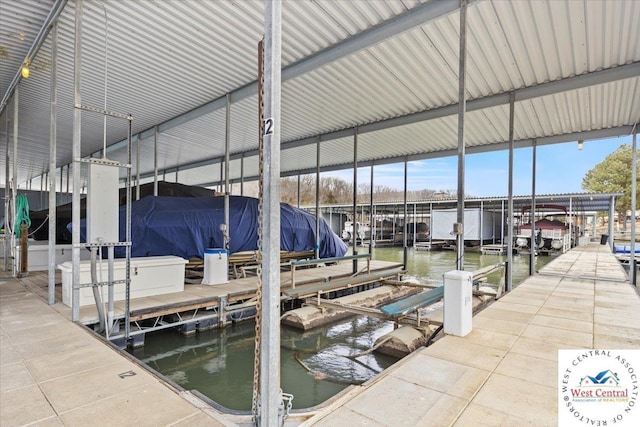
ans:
(268, 126)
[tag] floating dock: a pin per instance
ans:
(493, 249)
(580, 300)
(201, 307)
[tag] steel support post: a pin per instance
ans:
(533, 246)
(372, 220)
(270, 393)
(354, 234)
(415, 223)
(462, 107)
(612, 212)
(7, 195)
(634, 170)
(242, 175)
(53, 117)
(76, 154)
(481, 224)
(571, 227)
(111, 290)
(138, 167)
(298, 190)
(227, 154)
(156, 136)
(220, 185)
(14, 171)
(509, 266)
(430, 224)
(406, 218)
(127, 305)
(502, 222)
(317, 242)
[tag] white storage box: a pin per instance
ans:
(216, 267)
(149, 276)
(38, 255)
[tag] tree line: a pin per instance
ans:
(338, 191)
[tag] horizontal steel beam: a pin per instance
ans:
(498, 146)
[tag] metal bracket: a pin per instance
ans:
(105, 112)
(105, 162)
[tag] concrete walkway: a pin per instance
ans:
(54, 372)
(487, 378)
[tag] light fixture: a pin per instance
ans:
(580, 144)
(25, 70)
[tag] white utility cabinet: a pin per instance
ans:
(458, 302)
(216, 266)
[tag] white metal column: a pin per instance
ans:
(634, 171)
(52, 164)
(533, 245)
(227, 149)
(509, 269)
(77, 133)
(612, 212)
(270, 393)
(7, 195)
(461, 143)
(354, 233)
(317, 242)
(405, 227)
(372, 220)
(156, 135)
(14, 170)
(138, 167)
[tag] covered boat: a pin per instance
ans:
(39, 219)
(186, 226)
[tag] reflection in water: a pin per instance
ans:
(316, 364)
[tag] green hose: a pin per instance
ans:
(22, 213)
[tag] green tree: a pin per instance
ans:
(613, 175)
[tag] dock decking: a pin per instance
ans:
(197, 296)
(486, 378)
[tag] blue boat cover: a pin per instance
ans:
(624, 249)
(186, 226)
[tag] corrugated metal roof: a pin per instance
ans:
(20, 22)
(167, 58)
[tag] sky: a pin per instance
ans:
(560, 169)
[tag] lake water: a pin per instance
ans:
(219, 363)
